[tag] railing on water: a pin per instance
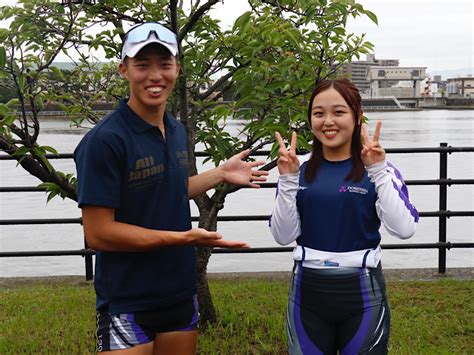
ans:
(443, 214)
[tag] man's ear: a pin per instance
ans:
(178, 68)
(123, 70)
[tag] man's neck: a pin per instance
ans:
(154, 115)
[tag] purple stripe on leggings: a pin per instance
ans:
(354, 346)
(305, 343)
(139, 333)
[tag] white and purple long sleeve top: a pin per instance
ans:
(336, 222)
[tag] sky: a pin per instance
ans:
(437, 34)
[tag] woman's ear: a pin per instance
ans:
(361, 115)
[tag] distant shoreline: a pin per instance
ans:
(426, 108)
(365, 109)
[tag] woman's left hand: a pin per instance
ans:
(372, 152)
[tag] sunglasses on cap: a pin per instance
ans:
(146, 33)
(141, 33)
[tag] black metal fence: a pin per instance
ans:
(443, 214)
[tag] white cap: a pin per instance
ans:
(130, 49)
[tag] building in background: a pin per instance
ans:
(437, 86)
(460, 87)
(357, 71)
(400, 82)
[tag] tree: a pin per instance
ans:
(268, 62)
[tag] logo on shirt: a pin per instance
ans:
(353, 189)
(182, 156)
(144, 168)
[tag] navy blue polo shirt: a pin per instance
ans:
(125, 164)
(337, 215)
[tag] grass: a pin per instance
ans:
(428, 317)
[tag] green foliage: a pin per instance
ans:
(3, 57)
(429, 317)
(53, 189)
(267, 63)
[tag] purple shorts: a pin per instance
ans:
(126, 330)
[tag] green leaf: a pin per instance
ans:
(49, 149)
(21, 151)
(51, 195)
(4, 109)
(8, 119)
(372, 16)
(13, 102)
(274, 150)
(58, 72)
(242, 21)
(3, 57)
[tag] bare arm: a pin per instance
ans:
(104, 233)
(200, 183)
(234, 171)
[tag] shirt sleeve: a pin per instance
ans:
(285, 223)
(99, 172)
(393, 205)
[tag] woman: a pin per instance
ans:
(332, 205)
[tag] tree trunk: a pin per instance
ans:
(208, 220)
(206, 306)
(207, 209)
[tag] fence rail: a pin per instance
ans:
(442, 214)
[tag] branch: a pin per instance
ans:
(61, 45)
(174, 18)
(120, 15)
(282, 8)
(222, 80)
(35, 168)
(195, 17)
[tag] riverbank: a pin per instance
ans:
(427, 274)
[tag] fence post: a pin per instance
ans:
(443, 197)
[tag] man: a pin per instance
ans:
(134, 191)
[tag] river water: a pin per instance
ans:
(400, 129)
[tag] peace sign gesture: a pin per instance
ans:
(372, 152)
(288, 162)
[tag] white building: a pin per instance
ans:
(405, 81)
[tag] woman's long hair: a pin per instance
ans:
(351, 95)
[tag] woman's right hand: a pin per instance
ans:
(288, 162)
